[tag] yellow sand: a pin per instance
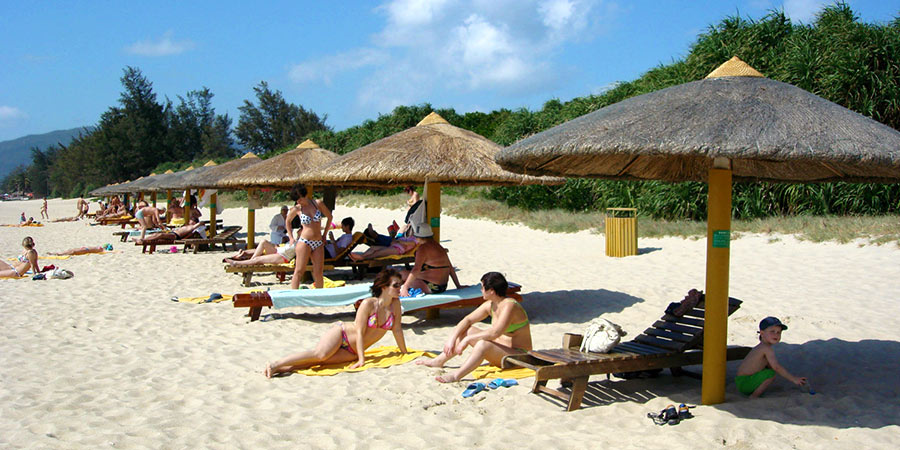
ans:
(105, 359)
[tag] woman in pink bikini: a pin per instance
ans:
(345, 341)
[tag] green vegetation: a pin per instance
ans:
(875, 230)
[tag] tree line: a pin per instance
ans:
(837, 57)
(141, 135)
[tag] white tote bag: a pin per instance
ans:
(601, 336)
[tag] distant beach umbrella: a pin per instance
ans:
(433, 153)
(733, 124)
(280, 171)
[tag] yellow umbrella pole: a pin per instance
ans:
(715, 329)
(251, 219)
(212, 214)
(168, 205)
(433, 208)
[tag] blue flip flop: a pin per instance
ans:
(500, 382)
(473, 389)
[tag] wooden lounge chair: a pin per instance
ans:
(671, 342)
(224, 238)
(281, 270)
(361, 268)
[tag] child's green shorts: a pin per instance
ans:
(746, 384)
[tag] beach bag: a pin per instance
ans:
(601, 336)
(416, 213)
(61, 274)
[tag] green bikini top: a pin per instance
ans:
(513, 327)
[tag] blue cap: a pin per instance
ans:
(771, 321)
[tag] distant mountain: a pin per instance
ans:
(16, 152)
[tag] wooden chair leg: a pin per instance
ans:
(254, 313)
(281, 276)
(538, 384)
(432, 314)
(579, 385)
(247, 277)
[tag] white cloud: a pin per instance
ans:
(11, 113)
(164, 46)
(491, 46)
(326, 68)
(803, 10)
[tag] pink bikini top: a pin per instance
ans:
(387, 325)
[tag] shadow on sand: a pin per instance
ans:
(855, 387)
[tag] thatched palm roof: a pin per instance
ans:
(209, 175)
(280, 171)
(770, 130)
(432, 151)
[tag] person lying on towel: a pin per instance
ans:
(345, 341)
(509, 332)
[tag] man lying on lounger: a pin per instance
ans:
(174, 234)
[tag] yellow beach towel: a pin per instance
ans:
(327, 283)
(29, 225)
(375, 357)
(482, 372)
(225, 298)
(14, 278)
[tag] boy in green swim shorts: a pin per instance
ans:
(757, 371)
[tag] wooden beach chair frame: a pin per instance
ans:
(281, 270)
(670, 343)
(224, 238)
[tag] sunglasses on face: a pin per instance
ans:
(397, 285)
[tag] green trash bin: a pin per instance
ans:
(621, 232)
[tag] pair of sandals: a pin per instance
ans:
(672, 416)
(478, 386)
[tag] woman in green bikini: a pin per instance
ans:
(509, 332)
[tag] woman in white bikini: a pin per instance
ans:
(28, 260)
(309, 212)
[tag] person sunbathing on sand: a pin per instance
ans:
(174, 234)
(344, 342)
(83, 250)
(509, 332)
(28, 260)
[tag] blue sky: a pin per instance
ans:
(61, 61)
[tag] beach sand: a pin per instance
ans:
(106, 359)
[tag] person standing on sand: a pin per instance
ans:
(44, 213)
(310, 244)
(508, 334)
(346, 341)
(82, 206)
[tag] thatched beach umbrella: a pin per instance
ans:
(735, 124)
(209, 176)
(278, 172)
(434, 153)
